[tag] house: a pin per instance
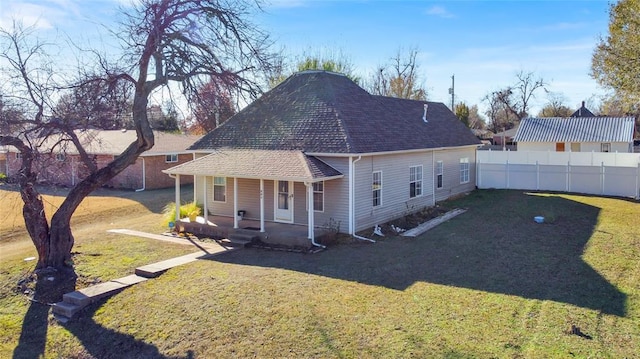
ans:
(576, 134)
(583, 112)
(60, 164)
(318, 151)
(3, 160)
(504, 138)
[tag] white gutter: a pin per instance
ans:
(144, 177)
(324, 154)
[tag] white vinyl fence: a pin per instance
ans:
(610, 174)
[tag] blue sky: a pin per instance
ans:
(484, 43)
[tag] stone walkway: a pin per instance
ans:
(75, 301)
(414, 232)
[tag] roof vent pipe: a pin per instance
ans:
(424, 117)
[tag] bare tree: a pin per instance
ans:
(181, 41)
(211, 106)
(400, 78)
(555, 106)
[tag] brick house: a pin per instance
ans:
(61, 165)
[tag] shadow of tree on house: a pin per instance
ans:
(497, 249)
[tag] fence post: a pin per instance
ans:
(638, 182)
(602, 178)
(507, 173)
(537, 176)
(568, 184)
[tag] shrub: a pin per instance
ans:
(169, 211)
(3, 178)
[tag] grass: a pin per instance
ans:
(490, 283)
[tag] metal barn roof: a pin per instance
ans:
(576, 129)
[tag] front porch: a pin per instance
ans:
(280, 234)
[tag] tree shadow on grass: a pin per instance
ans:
(102, 342)
(495, 247)
(33, 336)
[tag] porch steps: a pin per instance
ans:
(241, 239)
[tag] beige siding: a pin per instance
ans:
(451, 172)
(395, 187)
(248, 198)
(336, 197)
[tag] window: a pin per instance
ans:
(18, 155)
(464, 170)
(171, 158)
(376, 187)
(415, 181)
(220, 189)
(575, 146)
(60, 157)
(318, 196)
(439, 170)
(605, 147)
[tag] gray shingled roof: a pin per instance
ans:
(265, 164)
(576, 129)
(583, 112)
(324, 112)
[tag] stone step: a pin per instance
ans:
(66, 310)
(86, 296)
(155, 269)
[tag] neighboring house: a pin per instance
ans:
(582, 112)
(60, 164)
(576, 134)
(505, 138)
(318, 150)
(3, 160)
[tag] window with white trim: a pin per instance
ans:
(18, 155)
(60, 157)
(464, 170)
(605, 147)
(219, 189)
(415, 181)
(318, 196)
(439, 173)
(376, 188)
(171, 158)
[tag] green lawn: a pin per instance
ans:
(490, 283)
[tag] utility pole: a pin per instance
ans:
(452, 92)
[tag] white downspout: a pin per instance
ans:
(204, 202)
(310, 220)
(177, 189)
(352, 215)
(235, 202)
(144, 177)
(261, 205)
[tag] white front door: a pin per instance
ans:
(284, 201)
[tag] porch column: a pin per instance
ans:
(261, 205)
(177, 199)
(311, 210)
(206, 210)
(235, 202)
